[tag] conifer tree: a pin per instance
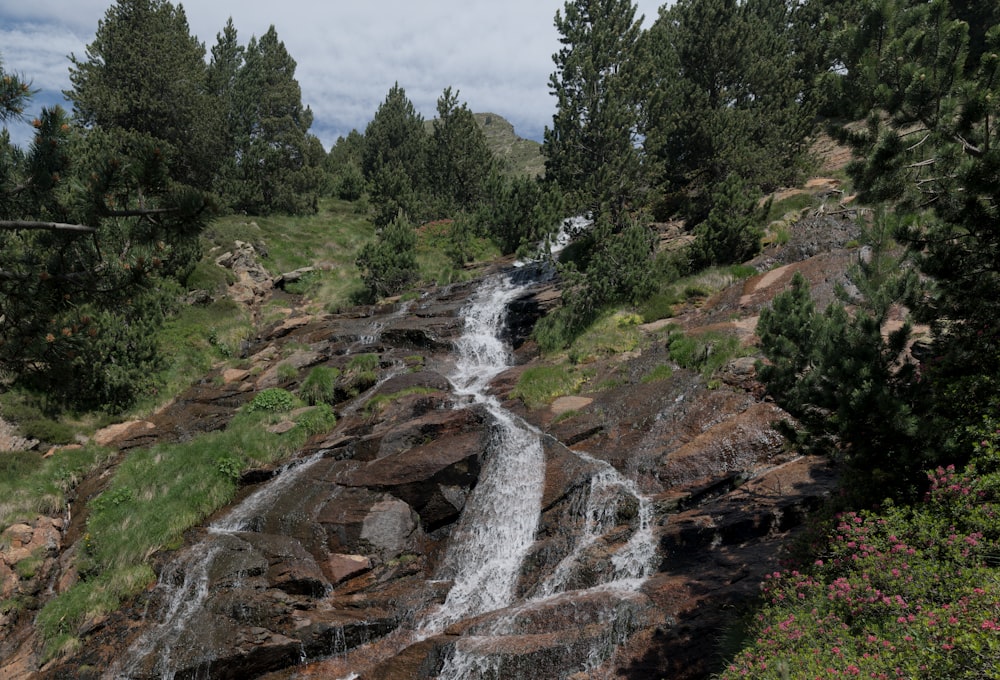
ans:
(394, 159)
(726, 99)
(145, 73)
(459, 161)
(279, 161)
(591, 149)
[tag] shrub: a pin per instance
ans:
(906, 592)
(319, 385)
(273, 399)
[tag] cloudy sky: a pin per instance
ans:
(498, 55)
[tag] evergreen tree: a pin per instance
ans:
(726, 100)
(459, 161)
(934, 155)
(223, 70)
(591, 149)
(145, 73)
(389, 263)
(92, 234)
(394, 159)
(849, 383)
(279, 161)
(343, 165)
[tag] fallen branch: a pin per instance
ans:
(14, 225)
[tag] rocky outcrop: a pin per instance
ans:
(341, 565)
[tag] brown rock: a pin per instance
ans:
(342, 567)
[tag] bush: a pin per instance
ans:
(906, 592)
(273, 399)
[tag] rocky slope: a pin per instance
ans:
(333, 563)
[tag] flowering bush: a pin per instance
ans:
(907, 592)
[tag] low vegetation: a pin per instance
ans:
(156, 494)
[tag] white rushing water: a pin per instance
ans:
(185, 581)
(498, 524)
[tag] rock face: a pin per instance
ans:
(332, 566)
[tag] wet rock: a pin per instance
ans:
(366, 522)
(342, 567)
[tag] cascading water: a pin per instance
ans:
(185, 582)
(500, 518)
(499, 523)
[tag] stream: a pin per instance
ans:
(592, 586)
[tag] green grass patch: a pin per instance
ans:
(705, 352)
(612, 334)
(319, 387)
(330, 240)
(196, 339)
(31, 485)
(794, 205)
(540, 385)
(155, 496)
(660, 372)
(379, 402)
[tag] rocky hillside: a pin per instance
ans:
(335, 565)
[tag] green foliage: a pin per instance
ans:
(459, 161)
(273, 399)
(155, 495)
(725, 100)
(732, 232)
(319, 387)
(169, 103)
(317, 420)
(705, 353)
(616, 268)
(591, 149)
(661, 372)
(394, 159)
(539, 385)
(31, 485)
(909, 591)
(388, 265)
(843, 379)
(609, 335)
(278, 167)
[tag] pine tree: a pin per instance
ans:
(279, 161)
(145, 73)
(930, 147)
(591, 149)
(394, 159)
(459, 161)
(389, 263)
(726, 99)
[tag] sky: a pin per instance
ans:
(496, 54)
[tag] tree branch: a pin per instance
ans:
(14, 225)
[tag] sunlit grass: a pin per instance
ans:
(155, 496)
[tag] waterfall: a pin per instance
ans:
(498, 524)
(185, 581)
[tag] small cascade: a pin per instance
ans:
(500, 519)
(376, 327)
(609, 497)
(185, 582)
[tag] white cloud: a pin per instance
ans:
(497, 54)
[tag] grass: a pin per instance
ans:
(705, 353)
(612, 334)
(379, 402)
(329, 240)
(31, 485)
(155, 496)
(540, 385)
